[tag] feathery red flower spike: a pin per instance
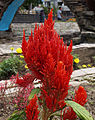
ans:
(50, 60)
(32, 111)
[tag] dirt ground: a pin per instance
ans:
(90, 106)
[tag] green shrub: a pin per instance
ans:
(9, 67)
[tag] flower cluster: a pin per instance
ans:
(21, 96)
(21, 92)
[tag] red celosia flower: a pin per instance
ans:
(81, 98)
(25, 80)
(69, 114)
(32, 109)
(51, 61)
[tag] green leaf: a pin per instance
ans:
(14, 113)
(17, 115)
(79, 110)
(33, 92)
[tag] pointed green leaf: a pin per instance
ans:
(79, 110)
(17, 115)
(33, 92)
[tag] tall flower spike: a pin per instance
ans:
(51, 62)
(32, 109)
(49, 22)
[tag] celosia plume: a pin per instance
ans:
(81, 98)
(51, 61)
(69, 114)
(32, 109)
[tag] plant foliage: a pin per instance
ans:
(9, 67)
(80, 110)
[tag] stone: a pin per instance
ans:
(76, 83)
(5, 48)
(89, 70)
(67, 30)
(77, 73)
(77, 79)
(85, 53)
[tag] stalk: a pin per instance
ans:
(44, 115)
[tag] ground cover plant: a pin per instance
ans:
(77, 62)
(11, 66)
(51, 65)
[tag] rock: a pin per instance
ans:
(5, 48)
(77, 79)
(85, 17)
(85, 52)
(76, 83)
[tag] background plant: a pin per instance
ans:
(75, 61)
(9, 67)
(12, 65)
